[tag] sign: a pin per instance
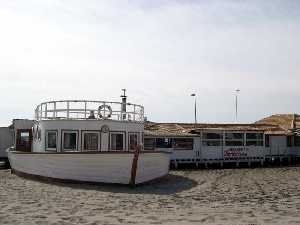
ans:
(235, 152)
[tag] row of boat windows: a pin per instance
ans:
(90, 141)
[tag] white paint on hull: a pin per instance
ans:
(104, 168)
(151, 166)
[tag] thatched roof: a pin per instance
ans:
(166, 129)
(190, 129)
(286, 121)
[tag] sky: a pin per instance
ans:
(160, 51)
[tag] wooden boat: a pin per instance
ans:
(104, 167)
(102, 144)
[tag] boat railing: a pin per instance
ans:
(84, 109)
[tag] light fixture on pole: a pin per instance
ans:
(237, 91)
(195, 112)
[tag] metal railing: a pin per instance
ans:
(84, 109)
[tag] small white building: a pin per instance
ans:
(272, 138)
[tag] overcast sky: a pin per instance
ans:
(161, 51)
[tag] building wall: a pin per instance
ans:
(6, 140)
(187, 154)
(278, 146)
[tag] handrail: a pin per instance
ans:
(86, 109)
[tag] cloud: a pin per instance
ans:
(161, 51)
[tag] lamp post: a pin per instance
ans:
(195, 97)
(237, 91)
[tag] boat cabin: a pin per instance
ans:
(67, 126)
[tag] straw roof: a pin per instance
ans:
(190, 129)
(286, 121)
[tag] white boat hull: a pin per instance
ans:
(104, 167)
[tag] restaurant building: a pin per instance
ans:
(275, 138)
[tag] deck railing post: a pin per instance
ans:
(68, 108)
(84, 110)
(46, 110)
(54, 110)
(41, 112)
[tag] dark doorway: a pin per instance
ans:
(24, 140)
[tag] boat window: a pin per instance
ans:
(39, 133)
(70, 140)
(133, 140)
(149, 143)
(163, 143)
(254, 139)
(90, 141)
(51, 140)
(117, 141)
(234, 139)
(212, 139)
(183, 143)
(34, 132)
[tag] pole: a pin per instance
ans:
(195, 107)
(236, 104)
(195, 110)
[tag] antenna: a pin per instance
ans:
(236, 104)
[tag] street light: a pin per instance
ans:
(195, 97)
(237, 91)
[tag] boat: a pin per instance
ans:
(87, 141)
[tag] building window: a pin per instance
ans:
(70, 140)
(117, 141)
(51, 140)
(149, 143)
(290, 141)
(254, 139)
(90, 141)
(183, 143)
(133, 140)
(163, 143)
(234, 139)
(267, 140)
(212, 139)
(297, 140)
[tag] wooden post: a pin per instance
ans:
(134, 165)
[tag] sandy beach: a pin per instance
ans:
(229, 196)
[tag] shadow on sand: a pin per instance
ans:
(170, 184)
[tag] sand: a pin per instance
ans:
(229, 196)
